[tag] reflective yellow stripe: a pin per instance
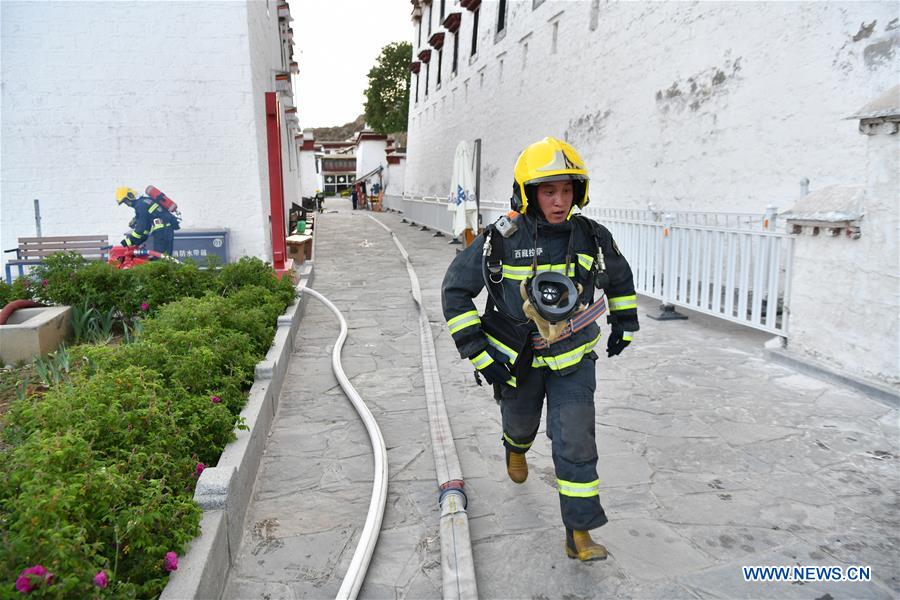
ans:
(135, 235)
(627, 335)
(510, 441)
(520, 273)
(467, 319)
(512, 354)
(128, 242)
(585, 261)
(623, 302)
(153, 207)
(155, 227)
(482, 360)
(566, 359)
(578, 490)
(511, 382)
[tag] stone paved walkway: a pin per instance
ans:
(711, 457)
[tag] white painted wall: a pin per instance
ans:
(395, 178)
(369, 156)
(705, 106)
(846, 296)
(309, 177)
(266, 58)
(102, 94)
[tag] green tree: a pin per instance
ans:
(387, 97)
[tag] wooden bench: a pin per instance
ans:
(33, 250)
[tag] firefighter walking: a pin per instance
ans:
(542, 265)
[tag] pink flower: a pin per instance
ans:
(145, 306)
(215, 400)
(23, 584)
(31, 577)
(199, 469)
(101, 580)
(171, 562)
(45, 282)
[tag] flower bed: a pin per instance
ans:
(96, 487)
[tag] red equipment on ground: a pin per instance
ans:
(126, 257)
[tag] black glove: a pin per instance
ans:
(618, 341)
(493, 365)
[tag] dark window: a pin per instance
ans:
(501, 16)
(420, 33)
(442, 10)
(455, 51)
(440, 62)
(430, 10)
(417, 87)
(427, 77)
(475, 32)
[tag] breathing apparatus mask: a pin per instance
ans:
(552, 295)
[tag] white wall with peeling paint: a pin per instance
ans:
(695, 106)
(845, 304)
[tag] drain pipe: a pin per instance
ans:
(457, 561)
(362, 556)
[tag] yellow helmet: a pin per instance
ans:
(124, 193)
(548, 160)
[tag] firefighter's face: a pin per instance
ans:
(555, 200)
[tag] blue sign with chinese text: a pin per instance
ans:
(198, 244)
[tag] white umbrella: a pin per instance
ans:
(462, 192)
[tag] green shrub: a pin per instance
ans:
(20, 289)
(103, 480)
(71, 282)
(249, 271)
(102, 467)
(163, 281)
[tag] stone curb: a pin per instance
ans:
(877, 391)
(224, 491)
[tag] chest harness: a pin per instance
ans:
(550, 299)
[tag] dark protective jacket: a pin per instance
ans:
(149, 217)
(505, 326)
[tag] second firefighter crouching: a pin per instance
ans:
(551, 275)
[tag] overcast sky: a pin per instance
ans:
(336, 42)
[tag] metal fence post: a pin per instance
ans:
(667, 310)
(37, 216)
(769, 217)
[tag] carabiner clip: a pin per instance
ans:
(494, 268)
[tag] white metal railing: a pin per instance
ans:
(429, 211)
(737, 274)
(729, 220)
(735, 266)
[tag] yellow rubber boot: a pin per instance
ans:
(580, 545)
(516, 466)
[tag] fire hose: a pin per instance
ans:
(457, 560)
(362, 556)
